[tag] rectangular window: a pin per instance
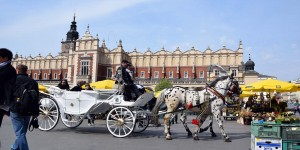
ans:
(186, 74)
(35, 76)
(142, 74)
(45, 75)
(66, 75)
(85, 68)
(217, 73)
(109, 73)
(201, 74)
(55, 76)
(170, 74)
(156, 74)
(234, 72)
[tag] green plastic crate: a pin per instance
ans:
(290, 132)
(290, 144)
(266, 130)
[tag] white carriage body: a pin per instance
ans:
(82, 102)
(122, 117)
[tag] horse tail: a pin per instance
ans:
(160, 100)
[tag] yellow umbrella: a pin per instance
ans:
(42, 88)
(247, 94)
(295, 88)
(270, 85)
(104, 84)
(156, 94)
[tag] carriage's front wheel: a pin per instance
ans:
(49, 114)
(120, 122)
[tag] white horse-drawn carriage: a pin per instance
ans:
(72, 107)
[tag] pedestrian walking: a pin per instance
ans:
(7, 81)
(25, 104)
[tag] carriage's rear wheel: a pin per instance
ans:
(120, 122)
(72, 121)
(142, 120)
(49, 114)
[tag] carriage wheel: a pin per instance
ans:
(48, 115)
(141, 121)
(120, 122)
(72, 121)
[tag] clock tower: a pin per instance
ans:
(72, 36)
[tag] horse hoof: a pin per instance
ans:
(213, 135)
(169, 138)
(227, 140)
(189, 134)
(196, 138)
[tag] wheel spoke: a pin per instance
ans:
(51, 106)
(115, 129)
(129, 118)
(121, 112)
(49, 123)
(127, 126)
(51, 119)
(117, 113)
(112, 125)
(124, 131)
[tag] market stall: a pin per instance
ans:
(267, 103)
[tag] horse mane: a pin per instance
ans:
(198, 88)
(212, 84)
(186, 88)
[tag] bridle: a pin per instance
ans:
(232, 90)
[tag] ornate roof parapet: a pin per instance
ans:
(120, 43)
(240, 49)
(103, 44)
(87, 35)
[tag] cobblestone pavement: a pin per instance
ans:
(99, 138)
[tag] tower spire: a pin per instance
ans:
(72, 33)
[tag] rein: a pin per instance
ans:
(218, 94)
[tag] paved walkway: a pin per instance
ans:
(98, 137)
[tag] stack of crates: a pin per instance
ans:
(273, 136)
(290, 136)
(266, 136)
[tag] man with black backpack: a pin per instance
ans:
(24, 105)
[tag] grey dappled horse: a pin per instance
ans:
(205, 102)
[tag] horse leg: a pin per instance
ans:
(206, 128)
(167, 126)
(217, 115)
(200, 119)
(213, 134)
(183, 121)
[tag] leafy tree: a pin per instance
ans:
(163, 83)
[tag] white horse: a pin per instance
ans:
(205, 102)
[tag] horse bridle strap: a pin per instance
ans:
(217, 93)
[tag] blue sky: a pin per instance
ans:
(269, 29)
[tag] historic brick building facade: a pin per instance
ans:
(86, 58)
